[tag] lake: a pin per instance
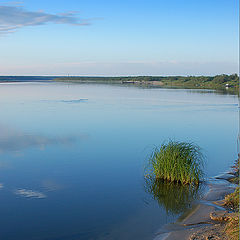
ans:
(72, 156)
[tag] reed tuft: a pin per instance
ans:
(179, 162)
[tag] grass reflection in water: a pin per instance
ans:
(174, 197)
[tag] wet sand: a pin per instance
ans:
(197, 222)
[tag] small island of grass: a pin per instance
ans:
(178, 162)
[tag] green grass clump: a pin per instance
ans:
(179, 162)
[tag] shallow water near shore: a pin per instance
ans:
(72, 156)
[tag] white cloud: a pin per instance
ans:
(15, 17)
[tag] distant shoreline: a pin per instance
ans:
(224, 83)
(229, 83)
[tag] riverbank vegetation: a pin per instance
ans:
(178, 162)
(232, 223)
(232, 228)
(232, 201)
(221, 82)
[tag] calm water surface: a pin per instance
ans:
(72, 156)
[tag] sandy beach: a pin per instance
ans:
(196, 223)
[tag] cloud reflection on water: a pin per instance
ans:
(81, 100)
(29, 193)
(13, 140)
(51, 185)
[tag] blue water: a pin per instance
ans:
(72, 156)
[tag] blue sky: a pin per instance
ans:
(127, 37)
